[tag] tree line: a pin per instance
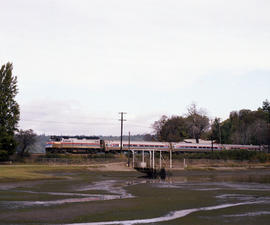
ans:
(242, 127)
(177, 128)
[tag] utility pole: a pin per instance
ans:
(219, 133)
(121, 139)
(128, 148)
(212, 144)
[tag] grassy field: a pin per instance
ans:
(34, 171)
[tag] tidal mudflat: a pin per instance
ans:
(85, 197)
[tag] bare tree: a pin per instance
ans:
(148, 137)
(259, 131)
(197, 122)
(25, 139)
(158, 125)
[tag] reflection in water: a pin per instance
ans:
(208, 186)
(111, 186)
(221, 176)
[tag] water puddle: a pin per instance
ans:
(114, 188)
(111, 186)
(17, 204)
(212, 186)
(89, 198)
(171, 216)
(242, 197)
(249, 214)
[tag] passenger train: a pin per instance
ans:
(83, 144)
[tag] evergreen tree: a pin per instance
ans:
(216, 131)
(9, 110)
(266, 108)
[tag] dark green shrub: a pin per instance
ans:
(3, 156)
(239, 155)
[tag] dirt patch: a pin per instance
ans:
(119, 166)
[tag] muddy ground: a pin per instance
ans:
(109, 195)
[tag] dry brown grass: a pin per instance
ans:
(32, 172)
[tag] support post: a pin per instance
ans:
(159, 159)
(128, 149)
(143, 156)
(153, 159)
(150, 159)
(212, 144)
(133, 159)
(170, 159)
(121, 137)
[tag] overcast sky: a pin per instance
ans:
(80, 62)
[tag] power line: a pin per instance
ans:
(131, 124)
(62, 122)
(107, 117)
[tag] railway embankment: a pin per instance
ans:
(46, 169)
(38, 167)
